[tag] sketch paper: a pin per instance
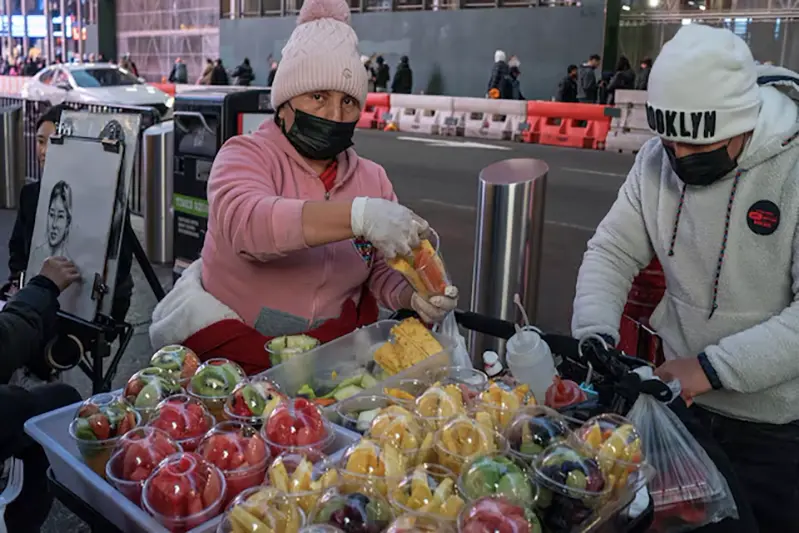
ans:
(125, 127)
(73, 216)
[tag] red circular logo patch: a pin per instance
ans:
(763, 217)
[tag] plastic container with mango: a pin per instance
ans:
(424, 268)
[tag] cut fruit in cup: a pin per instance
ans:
(183, 418)
(179, 361)
(429, 490)
(262, 509)
(148, 387)
(424, 267)
(253, 401)
(301, 480)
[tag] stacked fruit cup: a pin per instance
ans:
(213, 382)
(297, 426)
(532, 430)
(406, 391)
(240, 452)
(253, 401)
(262, 509)
(135, 457)
(498, 475)
(462, 439)
(183, 418)
(500, 403)
(430, 491)
(368, 463)
(362, 509)
(438, 404)
(350, 411)
(184, 492)
(405, 431)
(180, 362)
(495, 513)
(473, 380)
(147, 388)
(98, 425)
(301, 480)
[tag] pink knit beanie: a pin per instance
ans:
(321, 55)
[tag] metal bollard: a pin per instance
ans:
(156, 172)
(508, 243)
(12, 168)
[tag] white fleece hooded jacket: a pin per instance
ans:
(730, 255)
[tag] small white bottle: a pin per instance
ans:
(492, 366)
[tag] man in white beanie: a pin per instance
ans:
(715, 197)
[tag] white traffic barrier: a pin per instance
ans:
(487, 118)
(629, 129)
(420, 113)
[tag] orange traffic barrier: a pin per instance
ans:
(168, 88)
(566, 124)
(377, 104)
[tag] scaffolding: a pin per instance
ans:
(157, 32)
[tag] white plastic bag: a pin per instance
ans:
(688, 490)
(449, 328)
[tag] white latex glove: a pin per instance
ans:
(391, 228)
(434, 310)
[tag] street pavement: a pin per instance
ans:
(437, 178)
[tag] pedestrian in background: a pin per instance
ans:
(272, 72)
(219, 74)
(367, 64)
(179, 73)
(587, 85)
(642, 79)
(500, 76)
(205, 77)
(567, 88)
(382, 75)
(244, 73)
(515, 86)
(403, 78)
(623, 78)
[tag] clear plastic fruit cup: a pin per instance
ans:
(357, 413)
(321, 528)
(301, 480)
(252, 401)
(353, 508)
(97, 427)
(403, 429)
(412, 523)
(533, 429)
(135, 457)
(438, 404)
(462, 439)
(575, 484)
(262, 509)
(179, 361)
(298, 426)
(495, 513)
(240, 452)
(498, 475)
(406, 391)
(213, 382)
(183, 418)
(183, 492)
(428, 490)
(615, 444)
(500, 403)
(366, 462)
(147, 388)
(473, 379)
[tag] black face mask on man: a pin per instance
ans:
(316, 137)
(703, 168)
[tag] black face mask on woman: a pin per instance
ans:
(316, 137)
(703, 168)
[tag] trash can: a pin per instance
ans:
(156, 171)
(12, 168)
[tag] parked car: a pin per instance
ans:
(94, 83)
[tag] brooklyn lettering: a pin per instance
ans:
(684, 124)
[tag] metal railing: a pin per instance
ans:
(32, 110)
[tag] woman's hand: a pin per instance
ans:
(434, 310)
(392, 228)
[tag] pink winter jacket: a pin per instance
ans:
(255, 259)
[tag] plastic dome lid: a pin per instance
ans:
(498, 475)
(184, 485)
(297, 424)
(463, 437)
(321, 528)
(439, 403)
(533, 429)
(296, 475)
(568, 470)
(409, 523)
(234, 447)
(612, 438)
(139, 452)
(262, 506)
(103, 417)
(470, 377)
(399, 427)
(182, 417)
(492, 514)
(179, 361)
(372, 459)
(253, 400)
(362, 509)
(216, 378)
(147, 387)
(429, 490)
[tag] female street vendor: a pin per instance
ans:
(299, 225)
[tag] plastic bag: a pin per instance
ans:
(688, 490)
(449, 328)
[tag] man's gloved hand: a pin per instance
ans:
(392, 228)
(434, 310)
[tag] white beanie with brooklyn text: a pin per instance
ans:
(703, 87)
